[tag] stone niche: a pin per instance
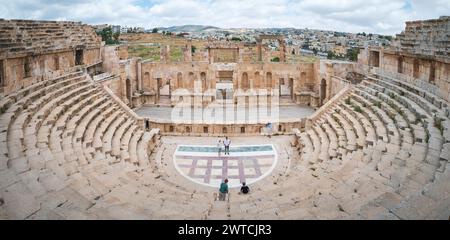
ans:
(225, 129)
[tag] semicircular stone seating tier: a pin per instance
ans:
(70, 150)
(396, 138)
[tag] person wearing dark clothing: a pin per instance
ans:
(223, 190)
(245, 189)
(227, 143)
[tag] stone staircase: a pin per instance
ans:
(219, 210)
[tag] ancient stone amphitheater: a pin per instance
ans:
(72, 146)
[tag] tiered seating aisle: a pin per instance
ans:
(49, 168)
(395, 134)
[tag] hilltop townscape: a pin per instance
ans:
(321, 43)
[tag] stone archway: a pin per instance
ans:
(416, 68)
(291, 87)
(164, 91)
(179, 80)
(432, 76)
(257, 82)
(400, 64)
(147, 83)
(244, 81)
(203, 80)
(268, 80)
(79, 57)
(128, 89)
(191, 80)
(2, 74)
(323, 91)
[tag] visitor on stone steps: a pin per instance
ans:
(223, 190)
(227, 143)
(245, 189)
(219, 147)
(269, 129)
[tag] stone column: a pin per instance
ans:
(210, 56)
(282, 50)
(259, 49)
(241, 53)
(164, 54)
(188, 52)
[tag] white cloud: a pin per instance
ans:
(377, 16)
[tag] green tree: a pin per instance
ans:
(275, 59)
(155, 30)
(106, 34)
(236, 39)
(108, 37)
(387, 37)
(331, 55)
(116, 37)
(193, 48)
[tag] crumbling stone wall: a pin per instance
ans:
(428, 37)
(421, 56)
(36, 50)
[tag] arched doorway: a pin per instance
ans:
(291, 87)
(79, 57)
(416, 68)
(323, 91)
(147, 83)
(203, 79)
(191, 81)
(432, 72)
(400, 64)
(256, 83)
(303, 79)
(244, 81)
(164, 91)
(179, 80)
(269, 80)
(128, 89)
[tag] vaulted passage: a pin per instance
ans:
(2, 73)
(79, 57)
(323, 91)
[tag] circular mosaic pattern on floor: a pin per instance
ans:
(246, 163)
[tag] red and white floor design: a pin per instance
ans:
(203, 165)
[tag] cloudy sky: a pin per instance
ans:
(375, 16)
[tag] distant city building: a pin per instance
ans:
(340, 50)
(115, 28)
(100, 27)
